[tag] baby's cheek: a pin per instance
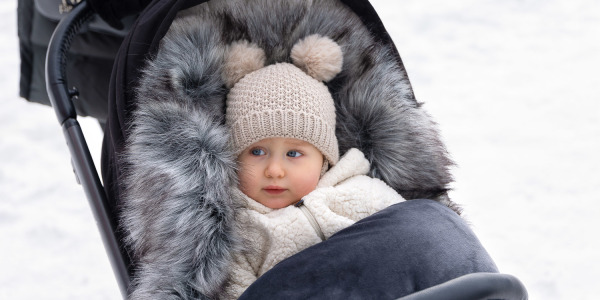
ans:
(246, 181)
(308, 185)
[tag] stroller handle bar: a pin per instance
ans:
(56, 61)
(83, 164)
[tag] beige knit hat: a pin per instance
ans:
(281, 100)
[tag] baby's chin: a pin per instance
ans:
(277, 203)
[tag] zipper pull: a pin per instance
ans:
(299, 203)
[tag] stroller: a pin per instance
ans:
(417, 170)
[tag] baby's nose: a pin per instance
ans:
(274, 169)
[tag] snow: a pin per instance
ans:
(514, 87)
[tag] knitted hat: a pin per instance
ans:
(283, 100)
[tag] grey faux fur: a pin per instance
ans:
(178, 214)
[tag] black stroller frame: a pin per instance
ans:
(471, 286)
(61, 98)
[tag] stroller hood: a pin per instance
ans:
(166, 165)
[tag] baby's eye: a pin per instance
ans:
(293, 153)
(257, 151)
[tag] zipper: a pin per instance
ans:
(311, 219)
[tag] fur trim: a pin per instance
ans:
(318, 56)
(241, 59)
(178, 212)
(178, 215)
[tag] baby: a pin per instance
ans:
(295, 189)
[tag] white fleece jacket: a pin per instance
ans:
(343, 196)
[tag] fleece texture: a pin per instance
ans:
(343, 196)
(176, 171)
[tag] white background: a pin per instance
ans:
(513, 84)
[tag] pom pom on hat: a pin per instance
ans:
(318, 56)
(242, 58)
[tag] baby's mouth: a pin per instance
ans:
(274, 190)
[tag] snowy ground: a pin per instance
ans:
(513, 84)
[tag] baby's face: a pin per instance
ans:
(278, 172)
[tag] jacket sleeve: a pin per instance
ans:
(381, 196)
(242, 276)
(360, 197)
(335, 208)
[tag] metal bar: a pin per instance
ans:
(94, 191)
(57, 88)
